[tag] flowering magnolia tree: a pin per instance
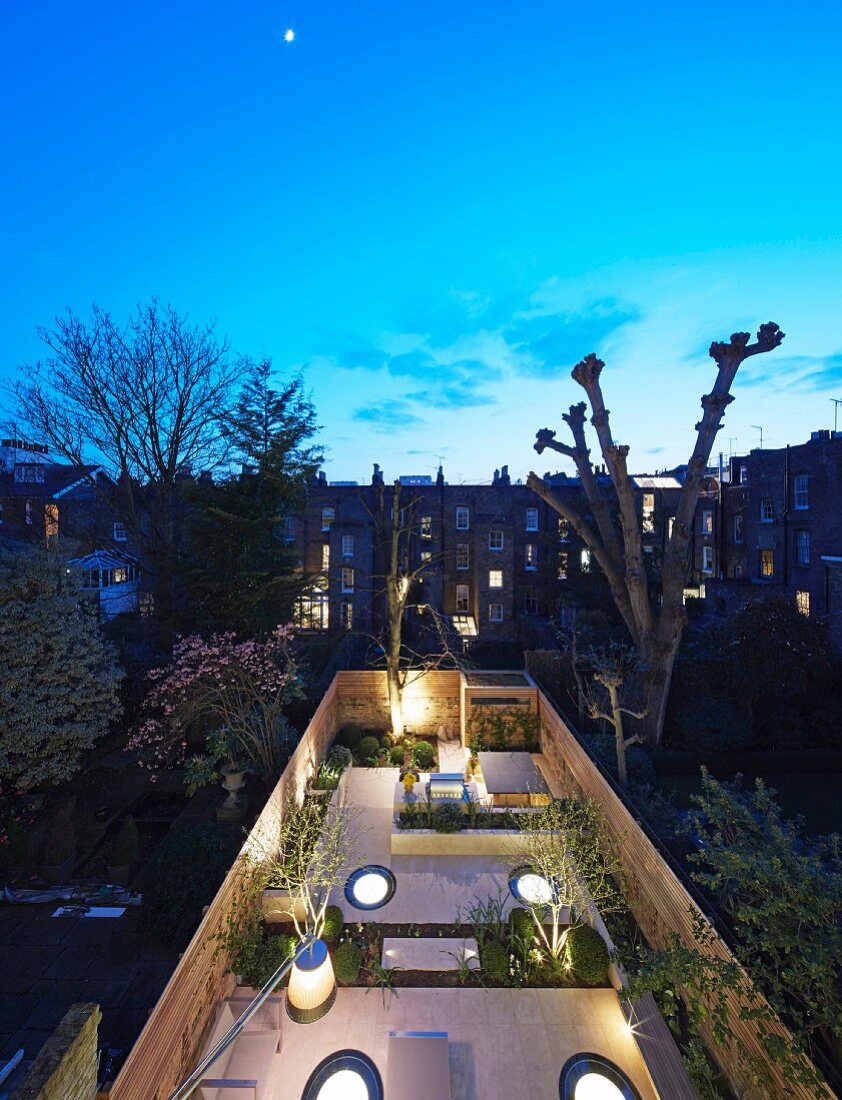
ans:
(242, 687)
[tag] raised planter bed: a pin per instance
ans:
(468, 842)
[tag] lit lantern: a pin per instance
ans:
(312, 986)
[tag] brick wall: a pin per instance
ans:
(430, 701)
(66, 1066)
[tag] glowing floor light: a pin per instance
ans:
(592, 1077)
(344, 1075)
(312, 986)
(370, 887)
(531, 888)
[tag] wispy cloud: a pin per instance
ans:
(386, 415)
(802, 373)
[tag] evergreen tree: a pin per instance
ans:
(244, 575)
(59, 689)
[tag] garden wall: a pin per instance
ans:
(430, 700)
(657, 898)
(66, 1066)
(170, 1044)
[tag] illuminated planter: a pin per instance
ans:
(345, 1075)
(312, 986)
(370, 887)
(592, 1077)
(530, 888)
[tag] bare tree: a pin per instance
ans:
(611, 669)
(145, 399)
(617, 546)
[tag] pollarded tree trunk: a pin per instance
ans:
(615, 541)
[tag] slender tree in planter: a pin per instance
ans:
(618, 550)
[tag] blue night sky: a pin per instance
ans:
(436, 210)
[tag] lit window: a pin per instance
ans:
(426, 527)
(51, 521)
(346, 615)
(463, 556)
(463, 519)
(328, 516)
(531, 556)
(311, 611)
(426, 556)
(648, 512)
(530, 601)
(801, 486)
(120, 576)
(562, 565)
(347, 579)
(495, 578)
(325, 558)
(767, 563)
(670, 525)
(707, 559)
(462, 597)
(738, 571)
(802, 547)
(531, 519)
(802, 602)
(495, 540)
(743, 475)
(586, 560)
(738, 528)
(495, 613)
(707, 523)
(563, 529)
(119, 532)
(347, 546)
(766, 510)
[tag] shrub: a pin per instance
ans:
(127, 845)
(448, 818)
(713, 725)
(386, 741)
(349, 737)
(494, 960)
(339, 757)
(422, 754)
(185, 874)
(587, 954)
(332, 929)
(347, 960)
(521, 923)
(255, 956)
(396, 755)
(327, 777)
(369, 750)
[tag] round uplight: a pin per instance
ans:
(592, 1077)
(370, 887)
(345, 1075)
(529, 887)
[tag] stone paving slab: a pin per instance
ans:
(423, 953)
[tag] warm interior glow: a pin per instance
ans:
(593, 1086)
(371, 888)
(311, 981)
(346, 1084)
(534, 889)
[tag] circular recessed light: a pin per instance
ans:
(529, 887)
(345, 1075)
(592, 1077)
(370, 887)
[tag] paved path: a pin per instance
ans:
(424, 953)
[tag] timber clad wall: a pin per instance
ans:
(658, 900)
(169, 1046)
(66, 1066)
(430, 700)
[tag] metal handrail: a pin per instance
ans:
(187, 1087)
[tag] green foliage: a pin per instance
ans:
(327, 777)
(587, 954)
(521, 923)
(639, 767)
(494, 960)
(491, 728)
(396, 755)
(255, 955)
(422, 754)
(383, 978)
(333, 923)
(188, 867)
(386, 741)
(349, 737)
(339, 757)
(127, 844)
(369, 750)
(710, 724)
(448, 818)
(347, 960)
(60, 684)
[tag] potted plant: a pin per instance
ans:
(125, 853)
(222, 756)
(409, 781)
(60, 847)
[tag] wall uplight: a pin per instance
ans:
(312, 986)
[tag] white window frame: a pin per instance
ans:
(495, 613)
(119, 533)
(647, 511)
(346, 615)
(328, 517)
(425, 526)
(563, 529)
(707, 522)
(802, 546)
(495, 539)
(530, 557)
(585, 560)
(463, 556)
(463, 599)
(347, 578)
(325, 557)
(802, 602)
(463, 519)
(764, 572)
(347, 546)
(707, 559)
(801, 492)
(531, 519)
(495, 578)
(767, 510)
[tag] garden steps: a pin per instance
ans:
(437, 953)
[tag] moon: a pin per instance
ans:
(289, 35)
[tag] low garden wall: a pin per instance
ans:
(468, 842)
(430, 700)
(66, 1066)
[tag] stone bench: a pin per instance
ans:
(435, 953)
